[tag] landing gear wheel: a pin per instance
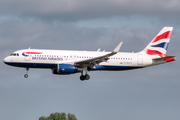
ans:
(26, 75)
(87, 77)
(82, 77)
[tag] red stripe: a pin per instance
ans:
(155, 52)
(162, 36)
(32, 53)
(170, 59)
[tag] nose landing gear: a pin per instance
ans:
(26, 75)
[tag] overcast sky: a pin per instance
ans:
(144, 94)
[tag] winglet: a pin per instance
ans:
(98, 49)
(118, 47)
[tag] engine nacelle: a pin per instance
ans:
(65, 69)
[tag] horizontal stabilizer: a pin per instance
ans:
(163, 58)
(166, 59)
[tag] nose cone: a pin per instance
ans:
(10, 61)
(6, 60)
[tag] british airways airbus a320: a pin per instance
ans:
(65, 62)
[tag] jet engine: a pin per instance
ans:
(64, 69)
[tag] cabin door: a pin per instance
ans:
(140, 59)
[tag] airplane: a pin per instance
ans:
(65, 62)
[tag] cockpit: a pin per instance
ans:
(14, 54)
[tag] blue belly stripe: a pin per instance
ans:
(47, 65)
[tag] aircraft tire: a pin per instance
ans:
(82, 77)
(26, 75)
(87, 77)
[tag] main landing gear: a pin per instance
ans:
(26, 75)
(86, 76)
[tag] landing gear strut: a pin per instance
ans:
(26, 75)
(86, 76)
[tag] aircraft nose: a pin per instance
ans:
(6, 60)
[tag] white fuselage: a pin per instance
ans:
(37, 58)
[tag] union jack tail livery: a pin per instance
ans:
(159, 45)
(157, 48)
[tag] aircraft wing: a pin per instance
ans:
(93, 61)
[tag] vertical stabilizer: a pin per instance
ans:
(159, 45)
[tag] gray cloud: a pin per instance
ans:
(73, 10)
(23, 34)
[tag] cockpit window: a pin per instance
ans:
(14, 54)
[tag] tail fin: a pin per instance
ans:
(159, 45)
